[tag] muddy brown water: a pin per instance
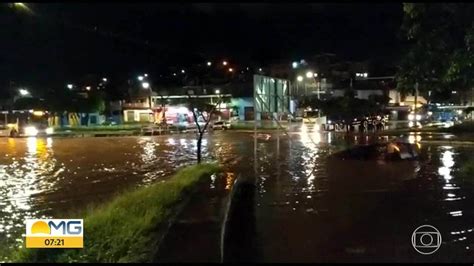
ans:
(309, 207)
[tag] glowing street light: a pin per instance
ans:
(299, 78)
(22, 7)
(140, 78)
(224, 63)
(70, 86)
(88, 88)
(209, 63)
(145, 85)
(218, 91)
(260, 69)
(309, 74)
(294, 64)
(146, 75)
(23, 92)
(315, 75)
(182, 71)
(362, 75)
(230, 69)
(104, 79)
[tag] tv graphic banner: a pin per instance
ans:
(54, 233)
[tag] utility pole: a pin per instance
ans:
(319, 88)
(416, 98)
(472, 103)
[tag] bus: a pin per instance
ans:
(310, 116)
(24, 123)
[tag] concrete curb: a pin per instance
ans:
(238, 237)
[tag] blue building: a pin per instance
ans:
(242, 107)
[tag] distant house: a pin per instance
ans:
(138, 107)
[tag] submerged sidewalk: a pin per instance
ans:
(195, 235)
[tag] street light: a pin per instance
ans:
(104, 79)
(182, 71)
(309, 74)
(146, 75)
(19, 5)
(260, 69)
(299, 79)
(230, 70)
(224, 63)
(209, 63)
(218, 91)
(70, 86)
(294, 64)
(145, 85)
(22, 7)
(315, 75)
(140, 78)
(23, 92)
(88, 88)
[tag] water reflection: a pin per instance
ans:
(149, 151)
(412, 138)
(230, 177)
(447, 162)
(21, 178)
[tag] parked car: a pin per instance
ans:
(221, 125)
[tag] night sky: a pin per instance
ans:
(62, 42)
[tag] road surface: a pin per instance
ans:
(309, 208)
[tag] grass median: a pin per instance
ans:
(100, 128)
(465, 127)
(251, 127)
(125, 229)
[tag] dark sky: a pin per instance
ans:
(62, 42)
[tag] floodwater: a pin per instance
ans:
(309, 206)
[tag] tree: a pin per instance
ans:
(29, 103)
(202, 111)
(93, 103)
(347, 107)
(440, 55)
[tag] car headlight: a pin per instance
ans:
(418, 117)
(411, 117)
(31, 131)
(49, 130)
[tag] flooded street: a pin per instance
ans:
(310, 207)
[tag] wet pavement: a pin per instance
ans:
(309, 207)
